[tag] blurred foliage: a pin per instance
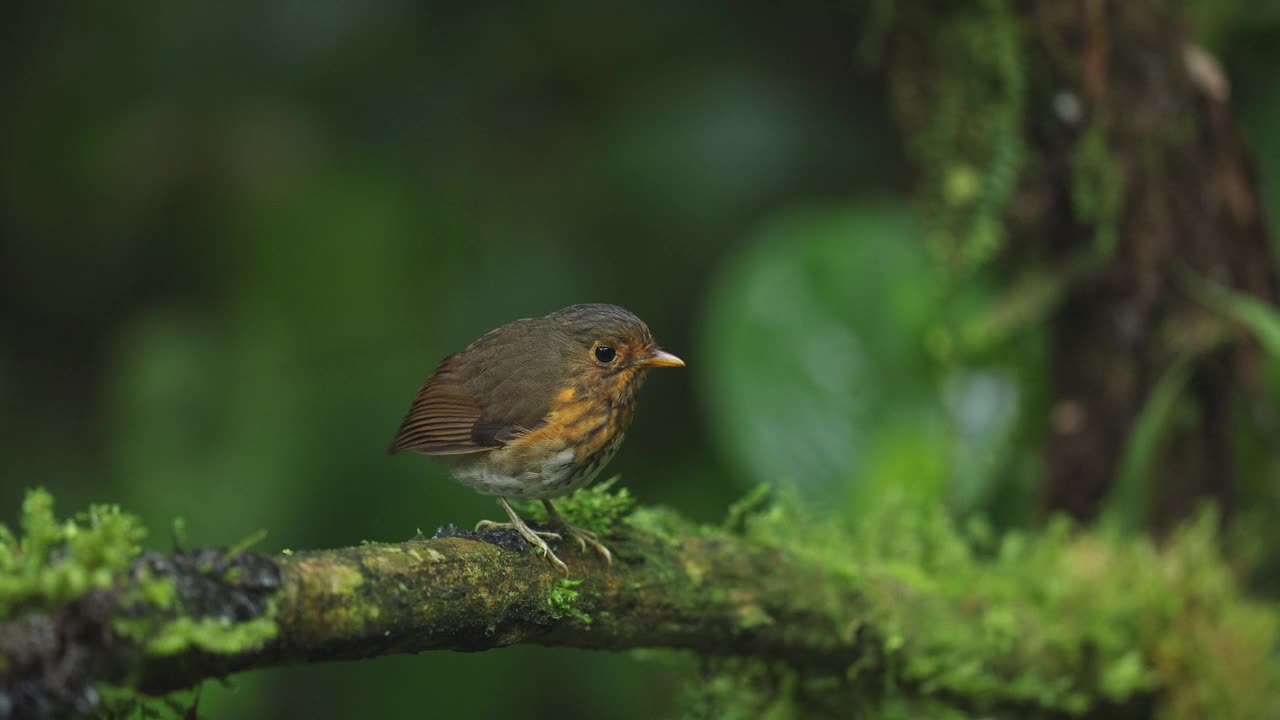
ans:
(1260, 319)
(1061, 620)
(833, 364)
(233, 239)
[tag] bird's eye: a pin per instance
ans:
(605, 354)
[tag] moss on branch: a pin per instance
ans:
(906, 615)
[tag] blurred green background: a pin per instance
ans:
(235, 238)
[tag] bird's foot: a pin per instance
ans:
(531, 536)
(491, 525)
(584, 537)
(587, 537)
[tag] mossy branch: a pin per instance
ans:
(713, 594)
(903, 614)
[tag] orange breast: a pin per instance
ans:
(585, 419)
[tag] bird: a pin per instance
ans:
(535, 409)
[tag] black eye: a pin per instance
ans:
(605, 354)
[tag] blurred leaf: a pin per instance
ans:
(817, 367)
(1261, 319)
(805, 332)
(1126, 507)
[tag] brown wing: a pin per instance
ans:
(442, 418)
(505, 367)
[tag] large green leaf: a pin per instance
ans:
(817, 367)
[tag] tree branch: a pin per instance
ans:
(1058, 625)
(713, 594)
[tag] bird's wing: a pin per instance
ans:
(442, 418)
(477, 400)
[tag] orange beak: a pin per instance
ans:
(660, 358)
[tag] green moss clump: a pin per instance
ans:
(598, 508)
(54, 562)
(663, 524)
(563, 601)
(210, 634)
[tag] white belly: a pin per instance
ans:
(555, 476)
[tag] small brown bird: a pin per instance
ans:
(535, 409)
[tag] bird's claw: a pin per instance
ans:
(584, 537)
(492, 525)
(536, 538)
(550, 557)
(587, 537)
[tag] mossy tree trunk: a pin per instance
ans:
(1094, 140)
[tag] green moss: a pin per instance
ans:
(562, 601)
(215, 635)
(1059, 621)
(753, 616)
(1097, 185)
(663, 524)
(598, 508)
(55, 561)
(966, 111)
(121, 703)
(156, 592)
(740, 510)
(748, 689)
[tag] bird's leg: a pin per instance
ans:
(584, 537)
(531, 536)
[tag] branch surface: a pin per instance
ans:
(1062, 624)
(713, 593)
